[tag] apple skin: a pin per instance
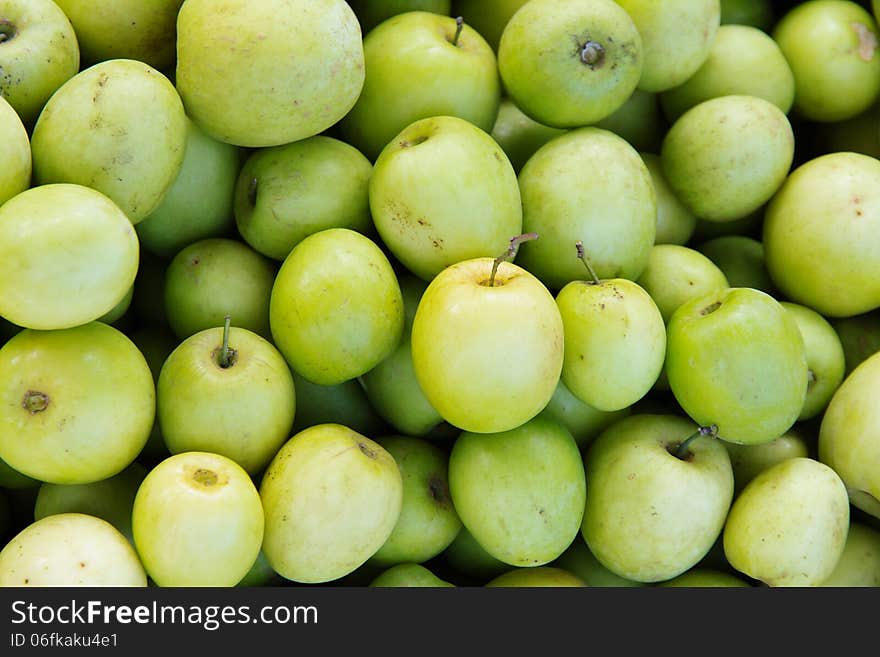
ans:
(118, 127)
(741, 259)
(704, 577)
(668, 62)
(244, 411)
(40, 54)
(675, 223)
(748, 461)
(144, 30)
(467, 559)
(638, 120)
(331, 498)
(488, 358)
(344, 402)
(820, 234)
(579, 561)
(198, 205)
(578, 187)
(414, 72)
(743, 60)
(426, 225)
(519, 135)
(650, 516)
(197, 521)
(304, 69)
(849, 435)
(615, 342)
(520, 492)
(15, 176)
(735, 358)
(70, 550)
(546, 576)
(860, 337)
(409, 575)
(582, 420)
(795, 512)
(727, 156)
(551, 74)
(757, 13)
(336, 309)
(285, 193)
(859, 565)
(842, 79)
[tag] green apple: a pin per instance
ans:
(519, 492)
(344, 402)
(118, 127)
(70, 550)
(336, 310)
(705, 578)
(144, 30)
(372, 12)
(392, 387)
(670, 61)
(849, 440)
(409, 575)
(78, 404)
(675, 223)
(488, 17)
(615, 341)
(821, 234)
(285, 193)
(331, 498)
(420, 65)
(741, 259)
(658, 492)
(583, 421)
(487, 349)
(68, 255)
(841, 78)
(197, 521)
(198, 205)
(468, 559)
(303, 71)
(443, 191)
(117, 313)
(260, 574)
(519, 135)
(215, 277)
(579, 561)
(855, 135)
(727, 156)
(676, 274)
(747, 226)
(825, 358)
(546, 576)
(588, 185)
(110, 499)
(749, 461)
(229, 392)
(638, 120)
(38, 53)
(428, 522)
(735, 358)
(859, 565)
(569, 63)
(757, 13)
(15, 176)
(788, 526)
(860, 337)
(743, 60)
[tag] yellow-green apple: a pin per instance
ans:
(675, 223)
(704, 578)
(546, 576)
(582, 420)
(409, 575)
(579, 561)
(519, 135)
(859, 565)
(15, 175)
(303, 69)
(788, 526)
(749, 461)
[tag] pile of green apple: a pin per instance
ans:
(440, 293)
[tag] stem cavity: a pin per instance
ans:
(592, 272)
(510, 254)
(681, 452)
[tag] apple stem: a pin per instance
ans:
(510, 254)
(459, 26)
(224, 350)
(580, 250)
(711, 430)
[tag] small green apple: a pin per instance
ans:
(675, 223)
(419, 65)
(546, 576)
(788, 526)
(638, 120)
(735, 358)
(340, 403)
(518, 134)
(748, 461)
(658, 492)
(336, 310)
(407, 575)
(741, 259)
(331, 498)
(15, 176)
(68, 255)
(582, 420)
(118, 127)
(78, 404)
(488, 17)
(285, 193)
(303, 69)
(70, 549)
(519, 492)
(757, 13)
(197, 521)
(860, 337)
(487, 345)
(705, 578)
(579, 561)
(859, 565)
(468, 559)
